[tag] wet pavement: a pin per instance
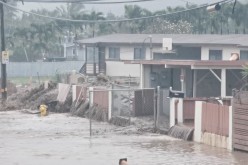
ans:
(27, 139)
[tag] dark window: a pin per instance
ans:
(114, 53)
(92, 55)
(139, 53)
(244, 55)
(215, 54)
(74, 51)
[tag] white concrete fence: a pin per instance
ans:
(221, 140)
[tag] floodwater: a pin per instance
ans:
(26, 139)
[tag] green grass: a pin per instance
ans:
(29, 80)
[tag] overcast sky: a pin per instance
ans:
(118, 9)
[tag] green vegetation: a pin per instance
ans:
(29, 80)
(31, 38)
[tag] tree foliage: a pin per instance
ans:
(30, 37)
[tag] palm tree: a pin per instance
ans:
(238, 16)
(134, 11)
(70, 11)
(94, 16)
(108, 28)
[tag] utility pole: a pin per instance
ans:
(3, 65)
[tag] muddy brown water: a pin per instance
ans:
(27, 139)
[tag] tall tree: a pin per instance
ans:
(134, 11)
(94, 15)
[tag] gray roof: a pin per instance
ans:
(179, 39)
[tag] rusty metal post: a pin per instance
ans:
(129, 95)
(90, 121)
(158, 108)
(3, 66)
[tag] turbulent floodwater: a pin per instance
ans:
(27, 139)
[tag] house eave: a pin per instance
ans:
(193, 64)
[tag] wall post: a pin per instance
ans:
(198, 121)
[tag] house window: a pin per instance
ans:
(139, 53)
(244, 55)
(74, 51)
(215, 54)
(114, 53)
(92, 55)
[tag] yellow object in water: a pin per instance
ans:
(43, 110)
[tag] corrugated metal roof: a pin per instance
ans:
(180, 39)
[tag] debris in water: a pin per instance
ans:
(120, 121)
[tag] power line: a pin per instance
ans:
(87, 1)
(99, 1)
(113, 21)
(57, 1)
(115, 2)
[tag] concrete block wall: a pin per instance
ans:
(176, 111)
(104, 98)
(212, 139)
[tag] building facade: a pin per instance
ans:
(199, 65)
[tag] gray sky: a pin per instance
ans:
(117, 9)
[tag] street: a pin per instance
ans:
(27, 139)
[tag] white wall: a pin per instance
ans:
(147, 78)
(204, 53)
(118, 68)
(127, 52)
(226, 51)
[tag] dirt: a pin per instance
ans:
(30, 98)
(11, 87)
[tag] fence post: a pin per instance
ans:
(232, 115)
(154, 107)
(91, 101)
(91, 96)
(46, 84)
(172, 112)
(129, 97)
(156, 114)
(230, 137)
(198, 121)
(110, 103)
(180, 110)
(74, 92)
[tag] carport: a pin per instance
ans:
(197, 78)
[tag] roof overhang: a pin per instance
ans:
(194, 64)
(109, 43)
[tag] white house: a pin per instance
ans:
(199, 65)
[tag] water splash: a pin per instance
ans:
(181, 132)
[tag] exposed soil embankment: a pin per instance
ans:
(30, 98)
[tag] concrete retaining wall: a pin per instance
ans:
(215, 140)
(26, 69)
